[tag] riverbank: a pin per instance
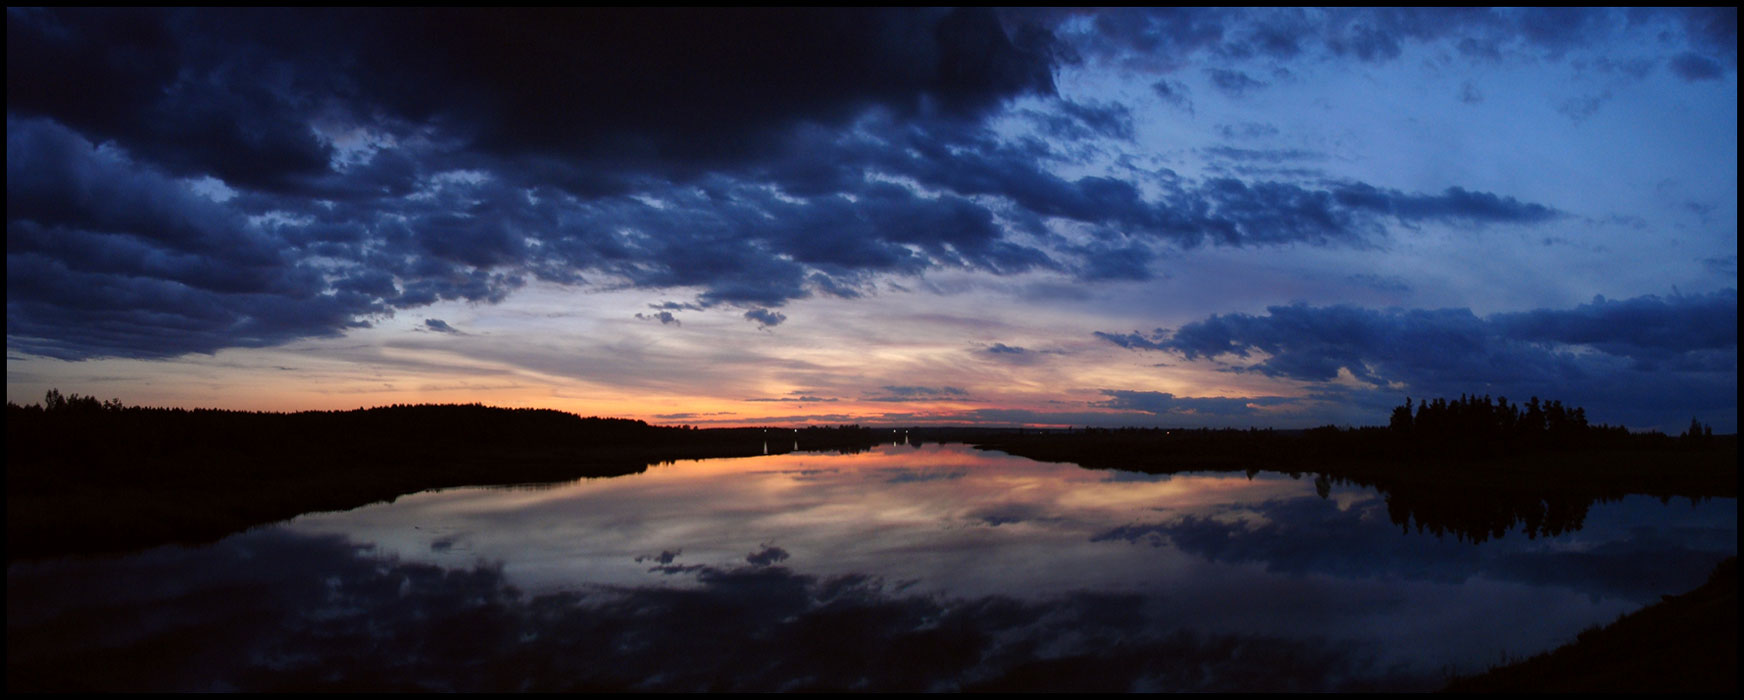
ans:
(101, 478)
(111, 481)
(1685, 643)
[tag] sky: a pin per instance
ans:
(1201, 218)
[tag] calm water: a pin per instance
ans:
(938, 567)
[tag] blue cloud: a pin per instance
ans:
(824, 164)
(1233, 82)
(765, 318)
(1160, 403)
(1647, 360)
(1694, 66)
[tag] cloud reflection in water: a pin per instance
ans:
(798, 572)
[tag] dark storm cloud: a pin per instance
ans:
(372, 161)
(232, 92)
(170, 89)
(1655, 354)
(105, 259)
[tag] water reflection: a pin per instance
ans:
(939, 568)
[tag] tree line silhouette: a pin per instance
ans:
(1472, 467)
(1476, 426)
(86, 475)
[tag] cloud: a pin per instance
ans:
(1234, 83)
(1660, 356)
(439, 326)
(1648, 329)
(1247, 130)
(107, 258)
(1173, 92)
(375, 161)
(1078, 121)
(167, 81)
(1392, 284)
(1278, 155)
(1584, 107)
(1693, 66)
(764, 318)
(766, 556)
(1171, 38)
(1470, 94)
(1159, 403)
(926, 391)
(917, 394)
(664, 317)
(1721, 266)
(1003, 349)
(1453, 204)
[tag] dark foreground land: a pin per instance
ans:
(1684, 644)
(90, 478)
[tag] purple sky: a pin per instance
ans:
(1272, 217)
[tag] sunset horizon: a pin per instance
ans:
(872, 350)
(1186, 218)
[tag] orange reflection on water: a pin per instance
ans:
(964, 519)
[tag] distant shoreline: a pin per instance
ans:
(92, 478)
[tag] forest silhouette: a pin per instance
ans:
(87, 476)
(1470, 467)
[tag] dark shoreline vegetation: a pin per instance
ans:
(86, 477)
(91, 477)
